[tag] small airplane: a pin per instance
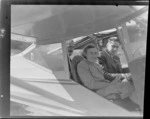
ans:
(40, 70)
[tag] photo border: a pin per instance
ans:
(5, 23)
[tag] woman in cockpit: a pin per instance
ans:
(92, 76)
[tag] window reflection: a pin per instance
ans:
(50, 57)
(137, 32)
(18, 46)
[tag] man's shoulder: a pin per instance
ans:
(117, 58)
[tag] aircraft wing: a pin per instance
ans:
(51, 23)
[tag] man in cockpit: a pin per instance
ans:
(111, 63)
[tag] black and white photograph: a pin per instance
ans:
(77, 60)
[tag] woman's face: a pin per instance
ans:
(92, 54)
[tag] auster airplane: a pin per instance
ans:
(40, 73)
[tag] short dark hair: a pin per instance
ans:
(86, 48)
(112, 40)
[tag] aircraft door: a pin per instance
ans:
(133, 35)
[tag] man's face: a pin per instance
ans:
(112, 47)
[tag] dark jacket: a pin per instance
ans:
(111, 65)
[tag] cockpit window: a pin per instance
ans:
(50, 57)
(137, 32)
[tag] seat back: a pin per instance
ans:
(75, 61)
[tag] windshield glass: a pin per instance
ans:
(136, 41)
(137, 32)
(50, 57)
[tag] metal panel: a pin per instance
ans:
(67, 23)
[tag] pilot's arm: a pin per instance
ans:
(112, 76)
(108, 76)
